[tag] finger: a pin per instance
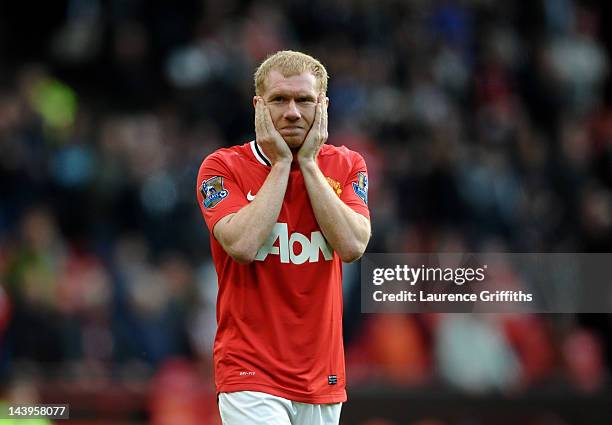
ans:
(323, 137)
(324, 123)
(323, 112)
(318, 114)
(318, 121)
(260, 119)
(257, 112)
(257, 115)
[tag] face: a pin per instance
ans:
(292, 103)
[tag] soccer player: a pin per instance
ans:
(284, 211)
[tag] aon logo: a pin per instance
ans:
(287, 247)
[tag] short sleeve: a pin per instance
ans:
(355, 190)
(217, 191)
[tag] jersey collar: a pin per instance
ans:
(259, 155)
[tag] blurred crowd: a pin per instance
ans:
(485, 126)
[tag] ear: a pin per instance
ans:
(327, 102)
(255, 100)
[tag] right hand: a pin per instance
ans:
(267, 137)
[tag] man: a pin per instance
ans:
(284, 211)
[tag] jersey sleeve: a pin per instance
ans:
(217, 191)
(355, 190)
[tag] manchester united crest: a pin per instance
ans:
(335, 184)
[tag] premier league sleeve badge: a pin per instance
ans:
(361, 186)
(213, 191)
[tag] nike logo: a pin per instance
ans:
(250, 197)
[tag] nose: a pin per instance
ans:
(292, 112)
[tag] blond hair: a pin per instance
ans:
(290, 63)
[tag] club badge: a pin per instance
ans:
(335, 184)
(213, 191)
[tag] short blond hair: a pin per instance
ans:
(290, 63)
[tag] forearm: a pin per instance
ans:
(347, 231)
(243, 233)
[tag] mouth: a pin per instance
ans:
(291, 129)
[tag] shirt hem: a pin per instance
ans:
(339, 397)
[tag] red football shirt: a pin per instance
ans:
(280, 317)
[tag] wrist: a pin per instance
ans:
(308, 166)
(306, 162)
(282, 164)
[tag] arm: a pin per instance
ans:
(347, 231)
(241, 234)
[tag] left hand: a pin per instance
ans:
(317, 135)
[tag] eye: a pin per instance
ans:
(305, 100)
(277, 99)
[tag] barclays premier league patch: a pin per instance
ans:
(213, 191)
(361, 186)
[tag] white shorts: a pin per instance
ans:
(257, 408)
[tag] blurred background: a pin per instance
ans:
(486, 125)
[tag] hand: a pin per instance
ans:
(317, 135)
(267, 137)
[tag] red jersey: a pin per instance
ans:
(280, 317)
